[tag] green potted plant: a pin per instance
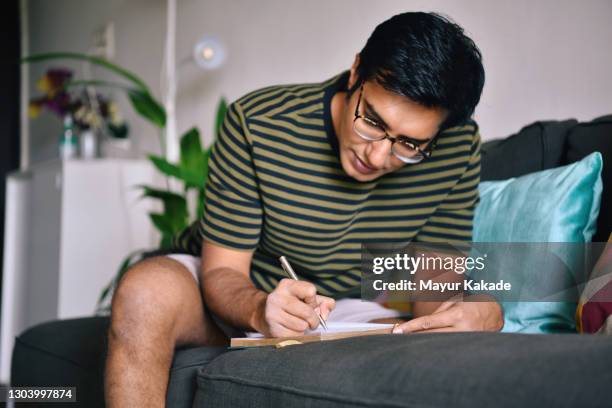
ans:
(190, 172)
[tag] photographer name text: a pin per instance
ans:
(441, 287)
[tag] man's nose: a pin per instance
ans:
(379, 152)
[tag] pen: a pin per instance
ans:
(289, 271)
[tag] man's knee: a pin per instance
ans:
(151, 295)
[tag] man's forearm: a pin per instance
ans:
(232, 296)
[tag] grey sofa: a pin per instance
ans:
(428, 370)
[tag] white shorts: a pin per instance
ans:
(346, 310)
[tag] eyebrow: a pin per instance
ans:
(370, 111)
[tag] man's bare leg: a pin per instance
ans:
(156, 307)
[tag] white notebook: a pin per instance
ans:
(336, 327)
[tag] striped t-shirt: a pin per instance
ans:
(276, 186)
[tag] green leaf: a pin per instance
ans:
(175, 206)
(175, 217)
(98, 83)
(201, 202)
(163, 223)
(193, 179)
(166, 167)
(221, 112)
(102, 62)
(119, 131)
(192, 159)
(165, 242)
(104, 294)
(161, 194)
(148, 107)
(205, 168)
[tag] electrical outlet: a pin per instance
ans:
(103, 41)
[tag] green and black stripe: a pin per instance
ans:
(276, 186)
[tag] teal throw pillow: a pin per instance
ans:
(556, 205)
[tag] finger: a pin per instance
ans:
(303, 311)
(303, 290)
(325, 306)
(326, 300)
(279, 330)
(293, 323)
(445, 318)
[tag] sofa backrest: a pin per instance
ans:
(547, 144)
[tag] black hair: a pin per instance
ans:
(428, 59)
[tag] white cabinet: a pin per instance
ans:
(69, 225)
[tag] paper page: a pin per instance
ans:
(337, 327)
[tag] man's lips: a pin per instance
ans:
(361, 167)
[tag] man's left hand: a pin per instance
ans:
(473, 313)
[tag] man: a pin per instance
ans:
(383, 152)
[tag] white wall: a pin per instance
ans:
(546, 59)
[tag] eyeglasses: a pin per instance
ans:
(403, 149)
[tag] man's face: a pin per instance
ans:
(397, 115)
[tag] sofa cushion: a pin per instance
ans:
(547, 144)
(63, 353)
(582, 140)
(419, 370)
(556, 205)
(73, 352)
(535, 147)
(182, 383)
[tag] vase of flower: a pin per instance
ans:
(86, 113)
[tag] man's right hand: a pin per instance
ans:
(292, 308)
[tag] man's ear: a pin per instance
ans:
(353, 73)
